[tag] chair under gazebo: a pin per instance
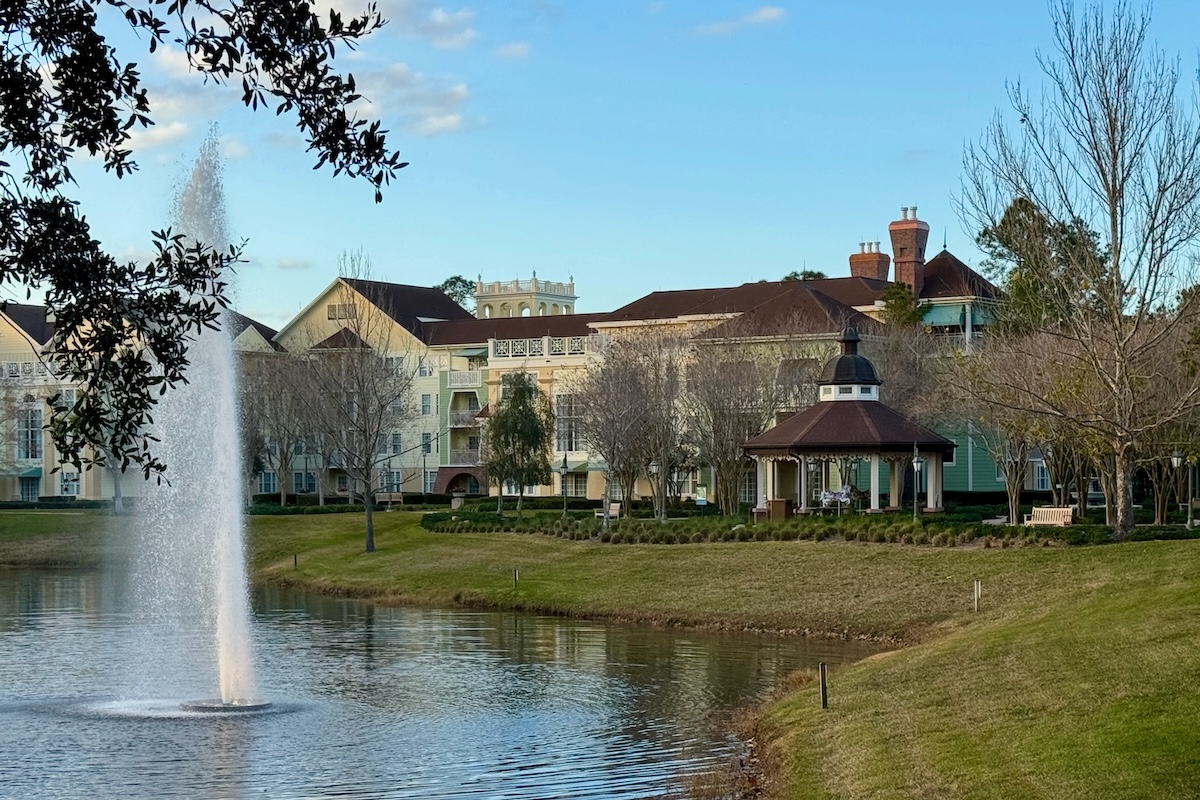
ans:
(815, 449)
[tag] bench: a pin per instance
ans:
(1049, 515)
(614, 510)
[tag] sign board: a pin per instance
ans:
(701, 495)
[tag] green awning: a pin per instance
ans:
(32, 472)
(582, 466)
(941, 316)
(471, 352)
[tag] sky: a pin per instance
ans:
(631, 146)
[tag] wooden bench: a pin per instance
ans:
(1049, 515)
(614, 510)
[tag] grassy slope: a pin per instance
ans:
(53, 538)
(1079, 678)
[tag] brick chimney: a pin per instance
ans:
(868, 262)
(909, 236)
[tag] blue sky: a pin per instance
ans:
(632, 145)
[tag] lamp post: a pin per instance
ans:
(654, 467)
(917, 464)
(1178, 460)
(562, 482)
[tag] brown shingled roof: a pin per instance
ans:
(237, 323)
(797, 307)
(852, 426)
(946, 276)
(478, 331)
(406, 304)
(31, 319)
(345, 339)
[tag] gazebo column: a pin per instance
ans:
(895, 475)
(875, 483)
(802, 478)
(762, 482)
(772, 470)
(933, 492)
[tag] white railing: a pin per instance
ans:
(545, 345)
(464, 419)
(464, 379)
(535, 285)
(460, 457)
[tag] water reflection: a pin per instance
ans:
(379, 702)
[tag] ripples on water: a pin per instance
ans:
(370, 702)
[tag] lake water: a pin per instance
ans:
(371, 702)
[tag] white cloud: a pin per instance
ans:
(294, 263)
(759, 16)
(173, 62)
(232, 147)
(427, 106)
(157, 135)
(447, 30)
(513, 50)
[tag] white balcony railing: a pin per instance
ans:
(468, 457)
(542, 346)
(464, 419)
(464, 379)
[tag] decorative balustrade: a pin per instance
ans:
(463, 419)
(467, 457)
(545, 345)
(535, 285)
(464, 379)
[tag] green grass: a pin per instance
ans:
(53, 538)
(1079, 677)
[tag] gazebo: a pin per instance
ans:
(816, 449)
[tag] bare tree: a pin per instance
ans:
(273, 400)
(358, 386)
(1109, 154)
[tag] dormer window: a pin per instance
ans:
(845, 390)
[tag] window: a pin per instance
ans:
(575, 484)
(426, 443)
(304, 482)
(566, 424)
(30, 489)
(29, 433)
(426, 404)
(512, 489)
(381, 444)
(473, 443)
(472, 403)
(472, 485)
(845, 390)
(68, 484)
(397, 446)
(999, 473)
(424, 370)
(430, 480)
(341, 311)
(1041, 477)
(686, 481)
(748, 487)
(826, 391)
(395, 364)
(266, 483)
(343, 483)
(298, 449)
(12, 369)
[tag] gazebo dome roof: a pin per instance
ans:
(849, 367)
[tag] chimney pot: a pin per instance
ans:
(903, 212)
(914, 212)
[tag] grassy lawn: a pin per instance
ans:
(53, 538)
(1078, 678)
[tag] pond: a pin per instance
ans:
(373, 702)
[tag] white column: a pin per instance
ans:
(875, 482)
(895, 473)
(803, 478)
(771, 467)
(762, 482)
(933, 496)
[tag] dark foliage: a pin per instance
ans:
(121, 330)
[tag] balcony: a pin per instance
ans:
(464, 379)
(463, 419)
(464, 457)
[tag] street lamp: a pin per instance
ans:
(562, 482)
(1177, 460)
(653, 473)
(917, 464)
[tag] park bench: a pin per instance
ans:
(614, 510)
(1049, 515)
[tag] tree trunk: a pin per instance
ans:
(500, 500)
(520, 497)
(118, 498)
(1124, 490)
(368, 499)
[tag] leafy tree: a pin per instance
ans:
(805, 275)
(64, 91)
(460, 290)
(518, 437)
(1110, 148)
(900, 306)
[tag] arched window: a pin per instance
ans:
(541, 309)
(487, 311)
(554, 309)
(524, 309)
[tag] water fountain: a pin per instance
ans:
(188, 575)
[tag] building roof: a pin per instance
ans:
(851, 426)
(849, 367)
(479, 331)
(409, 305)
(665, 305)
(344, 339)
(797, 307)
(946, 276)
(31, 319)
(237, 323)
